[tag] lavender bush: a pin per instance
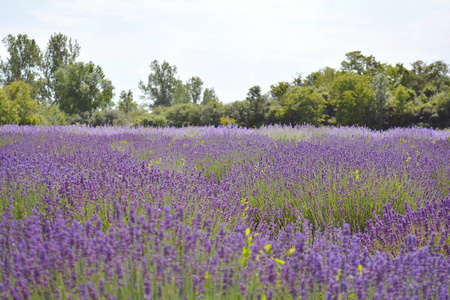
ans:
(224, 213)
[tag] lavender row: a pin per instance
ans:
(298, 212)
(160, 255)
(334, 178)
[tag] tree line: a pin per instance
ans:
(51, 87)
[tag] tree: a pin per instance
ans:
(256, 107)
(399, 75)
(280, 89)
(360, 64)
(181, 93)
(430, 79)
(238, 110)
(2, 75)
(418, 67)
(436, 76)
(380, 88)
(19, 94)
(441, 102)
(301, 105)
(195, 89)
(24, 61)
(180, 115)
(160, 85)
(254, 94)
(209, 96)
(298, 81)
(108, 117)
(8, 110)
(420, 81)
(402, 106)
(352, 97)
(211, 113)
(50, 114)
(126, 103)
(82, 87)
(321, 78)
(60, 52)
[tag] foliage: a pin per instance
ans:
(441, 102)
(280, 89)
(353, 98)
(24, 60)
(381, 97)
(257, 107)
(429, 79)
(154, 120)
(183, 115)
(60, 52)
(181, 93)
(363, 92)
(209, 96)
(227, 121)
(321, 78)
(20, 94)
(109, 116)
(195, 89)
(399, 75)
(361, 64)
(238, 110)
(51, 115)
(301, 105)
(402, 106)
(9, 113)
(160, 85)
(126, 103)
(211, 114)
(82, 87)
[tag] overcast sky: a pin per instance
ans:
(233, 45)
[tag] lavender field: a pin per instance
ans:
(224, 213)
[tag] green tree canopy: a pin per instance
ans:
(298, 80)
(399, 75)
(254, 94)
(353, 98)
(9, 113)
(441, 102)
(160, 84)
(380, 86)
(280, 89)
(238, 110)
(24, 62)
(19, 94)
(209, 96)
(301, 105)
(60, 52)
(402, 106)
(257, 107)
(360, 64)
(187, 114)
(126, 103)
(321, 78)
(195, 89)
(82, 87)
(211, 113)
(430, 79)
(181, 93)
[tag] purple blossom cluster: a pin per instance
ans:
(206, 213)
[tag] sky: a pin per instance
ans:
(233, 45)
